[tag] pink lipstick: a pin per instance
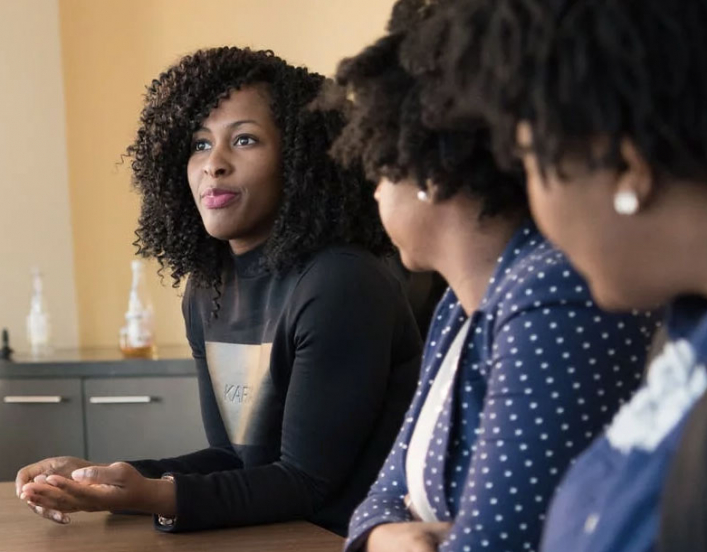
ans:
(215, 198)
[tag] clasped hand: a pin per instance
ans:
(56, 487)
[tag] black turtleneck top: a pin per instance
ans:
(304, 379)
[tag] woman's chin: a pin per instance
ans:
(616, 300)
(220, 231)
(412, 264)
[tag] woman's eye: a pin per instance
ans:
(200, 145)
(245, 141)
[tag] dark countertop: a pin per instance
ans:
(170, 361)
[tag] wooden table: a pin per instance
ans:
(23, 531)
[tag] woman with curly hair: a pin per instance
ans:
(606, 103)
(305, 344)
(515, 369)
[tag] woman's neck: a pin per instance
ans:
(683, 238)
(241, 246)
(670, 251)
(469, 250)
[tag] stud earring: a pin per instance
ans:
(626, 203)
(423, 196)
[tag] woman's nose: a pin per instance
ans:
(217, 164)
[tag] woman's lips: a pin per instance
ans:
(218, 199)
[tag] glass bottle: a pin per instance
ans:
(39, 331)
(137, 337)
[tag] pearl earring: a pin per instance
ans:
(626, 203)
(422, 196)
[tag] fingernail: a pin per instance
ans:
(78, 474)
(23, 496)
(58, 517)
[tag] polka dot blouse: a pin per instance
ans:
(542, 371)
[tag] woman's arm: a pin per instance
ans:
(349, 351)
(560, 370)
(348, 328)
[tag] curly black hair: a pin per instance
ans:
(578, 70)
(386, 130)
(322, 202)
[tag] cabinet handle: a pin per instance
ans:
(32, 399)
(140, 399)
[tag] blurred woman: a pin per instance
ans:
(606, 104)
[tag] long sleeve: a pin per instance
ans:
(559, 370)
(203, 461)
(341, 333)
(385, 500)
(542, 371)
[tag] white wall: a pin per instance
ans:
(35, 226)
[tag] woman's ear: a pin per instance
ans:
(635, 184)
(432, 191)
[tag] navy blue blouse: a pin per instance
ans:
(610, 499)
(542, 370)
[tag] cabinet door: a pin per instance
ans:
(141, 418)
(38, 418)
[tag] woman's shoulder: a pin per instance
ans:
(196, 297)
(535, 273)
(192, 295)
(345, 266)
(354, 284)
(540, 282)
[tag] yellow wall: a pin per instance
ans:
(111, 49)
(34, 210)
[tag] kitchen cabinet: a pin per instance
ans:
(97, 406)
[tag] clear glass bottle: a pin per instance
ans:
(137, 337)
(39, 330)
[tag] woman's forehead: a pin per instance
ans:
(250, 103)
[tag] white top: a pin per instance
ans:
(424, 427)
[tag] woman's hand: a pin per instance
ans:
(118, 486)
(60, 465)
(39, 471)
(412, 536)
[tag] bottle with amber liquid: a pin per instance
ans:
(137, 337)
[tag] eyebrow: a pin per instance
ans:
(231, 126)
